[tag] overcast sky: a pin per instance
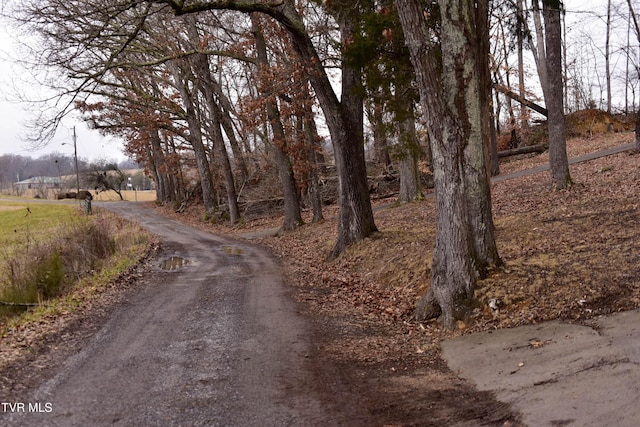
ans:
(14, 117)
(90, 144)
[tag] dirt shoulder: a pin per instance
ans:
(569, 255)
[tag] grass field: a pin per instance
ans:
(129, 195)
(22, 222)
(51, 250)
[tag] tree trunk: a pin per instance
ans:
(356, 215)
(634, 17)
(558, 161)
(493, 153)
(195, 138)
(227, 125)
(478, 99)
(410, 153)
(292, 214)
(153, 159)
(311, 141)
(445, 100)
(215, 129)
(539, 50)
(202, 70)
(524, 113)
(380, 144)
(607, 54)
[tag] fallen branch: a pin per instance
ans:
(523, 150)
(535, 107)
(20, 304)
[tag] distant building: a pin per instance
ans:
(38, 182)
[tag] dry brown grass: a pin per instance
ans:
(129, 195)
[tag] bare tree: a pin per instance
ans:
(549, 64)
(343, 117)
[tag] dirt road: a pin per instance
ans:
(210, 339)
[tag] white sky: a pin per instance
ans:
(15, 116)
(91, 145)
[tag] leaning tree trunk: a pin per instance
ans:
(195, 138)
(227, 124)
(558, 161)
(292, 213)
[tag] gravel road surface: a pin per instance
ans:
(212, 338)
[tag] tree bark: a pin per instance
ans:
(195, 138)
(558, 160)
(444, 98)
(292, 214)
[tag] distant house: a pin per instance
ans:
(38, 182)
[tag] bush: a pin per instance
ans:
(46, 269)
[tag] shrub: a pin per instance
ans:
(44, 270)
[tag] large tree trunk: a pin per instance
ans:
(356, 215)
(445, 100)
(292, 214)
(558, 161)
(477, 183)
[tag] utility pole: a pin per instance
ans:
(75, 158)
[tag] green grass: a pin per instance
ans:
(25, 223)
(50, 250)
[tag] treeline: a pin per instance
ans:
(15, 168)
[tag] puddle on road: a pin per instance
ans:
(174, 263)
(232, 250)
